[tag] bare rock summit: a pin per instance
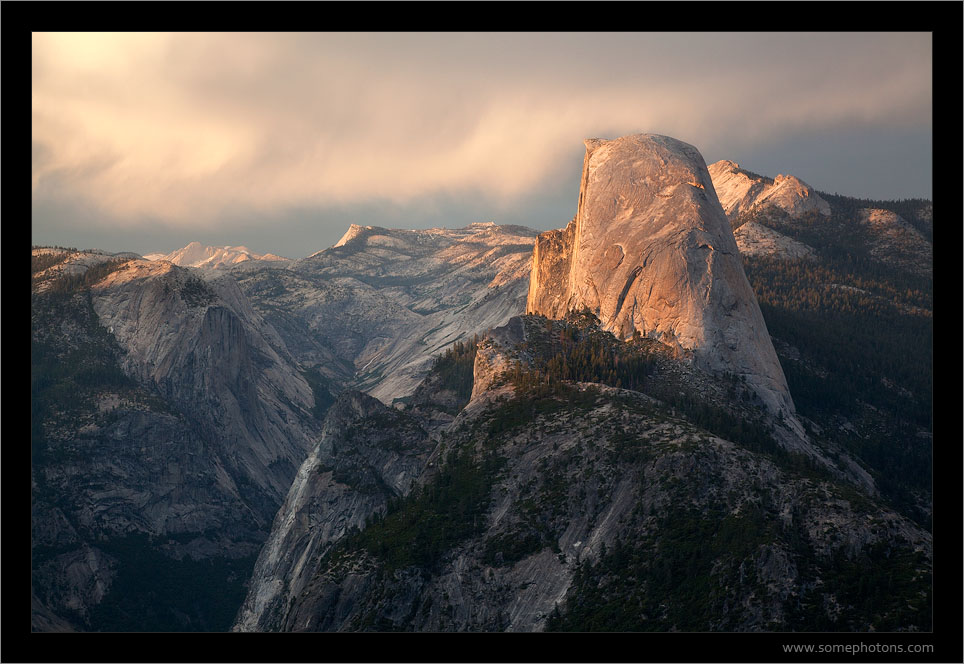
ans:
(740, 191)
(897, 242)
(197, 255)
(650, 250)
(755, 239)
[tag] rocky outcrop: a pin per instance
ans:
(492, 357)
(740, 191)
(896, 242)
(755, 239)
(651, 251)
(551, 267)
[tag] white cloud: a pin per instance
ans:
(187, 127)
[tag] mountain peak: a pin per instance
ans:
(195, 254)
(650, 251)
(353, 231)
(740, 190)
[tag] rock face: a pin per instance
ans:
(650, 250)
(199, 343)
(741, 191)
(373, 310)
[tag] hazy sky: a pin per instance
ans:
(145, 142)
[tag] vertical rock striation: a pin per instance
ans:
(650, 249)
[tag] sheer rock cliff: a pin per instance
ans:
(650, 250)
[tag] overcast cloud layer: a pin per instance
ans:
(285, 139)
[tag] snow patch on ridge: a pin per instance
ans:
(197, 255)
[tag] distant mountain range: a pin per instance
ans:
(197, 255)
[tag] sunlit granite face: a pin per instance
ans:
(651, 250)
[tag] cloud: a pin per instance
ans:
(189, 128)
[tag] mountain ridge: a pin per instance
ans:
(194, 254)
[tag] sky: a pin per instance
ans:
(145, 142)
